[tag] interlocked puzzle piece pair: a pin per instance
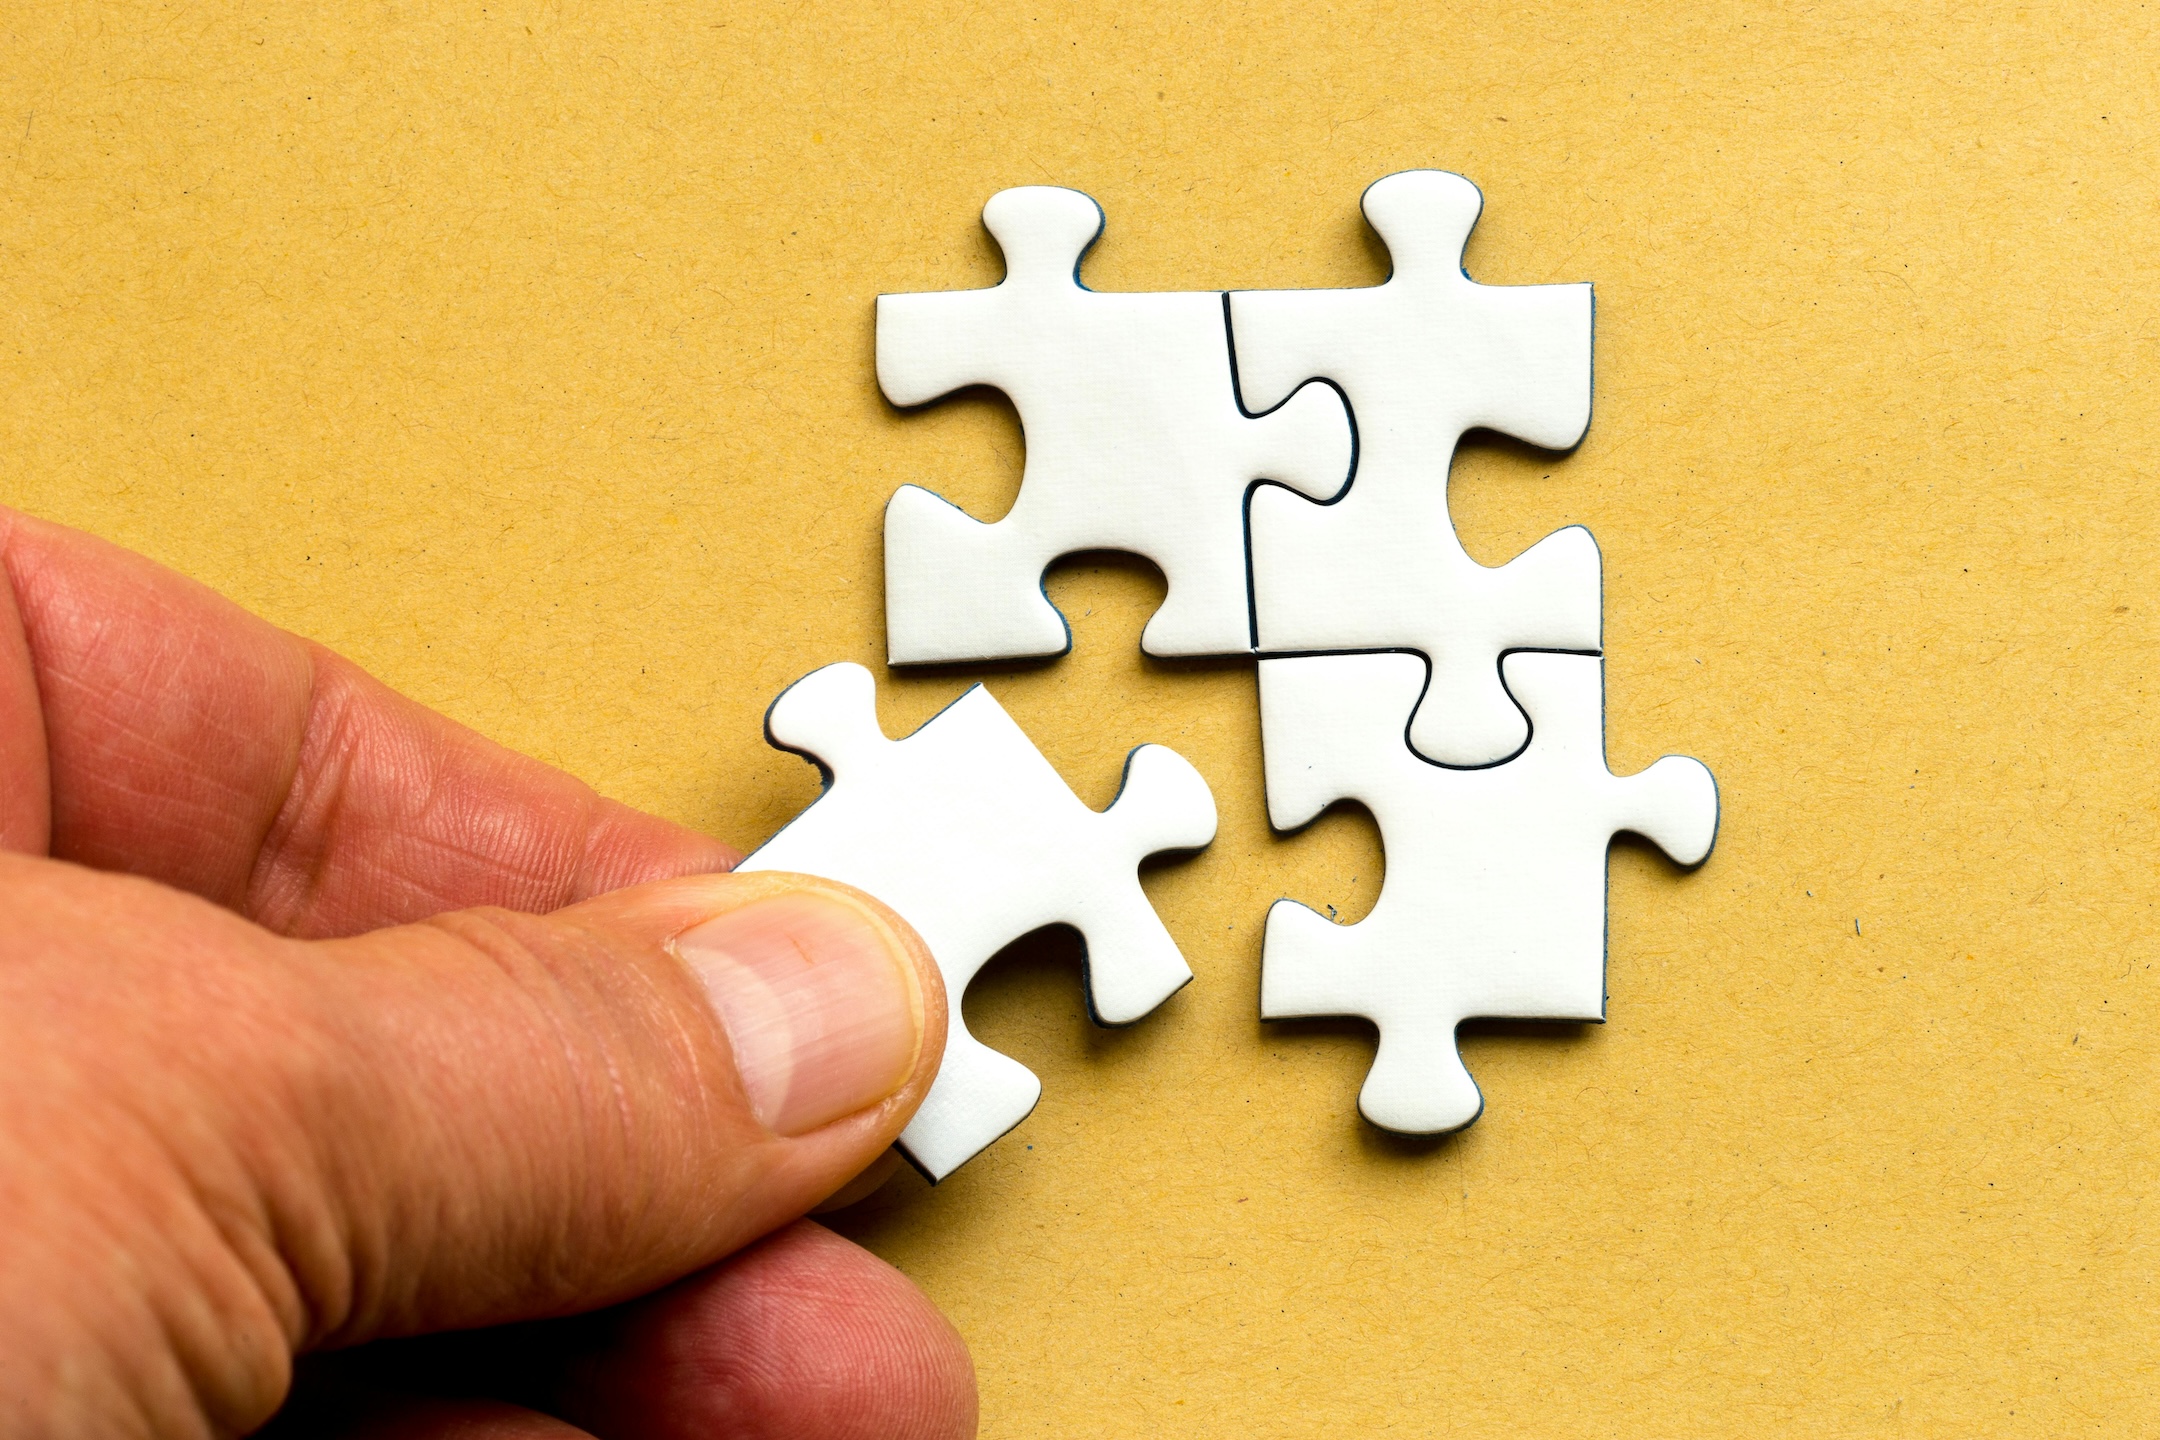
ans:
(1138, 440)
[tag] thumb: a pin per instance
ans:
(546, 1113)
(232, 1146)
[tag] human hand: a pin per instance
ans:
(324, 1021)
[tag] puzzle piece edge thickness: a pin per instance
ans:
(1423, 357)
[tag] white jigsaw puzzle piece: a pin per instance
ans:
(1493, 904)
(965, 830)
(1135, 442)
(1423, 357)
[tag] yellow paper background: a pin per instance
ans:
(523, 352)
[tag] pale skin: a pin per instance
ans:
(327, 1025)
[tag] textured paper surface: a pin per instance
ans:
(527, 358)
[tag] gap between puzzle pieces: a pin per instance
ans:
(1314, 521)
(966, 831)
(1493, 901)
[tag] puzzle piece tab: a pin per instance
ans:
(1134, 442)
(966, 831)
(1493, 903)
(1423, 357)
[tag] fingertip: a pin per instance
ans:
(628, 847)
(834, 1008)
(805, 1336)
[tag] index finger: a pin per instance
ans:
(148, 725)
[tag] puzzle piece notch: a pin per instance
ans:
(1493, 904)
(1135, 442)
(966, 831)
(1423, 357)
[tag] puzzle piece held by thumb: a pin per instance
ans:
(966, 831)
